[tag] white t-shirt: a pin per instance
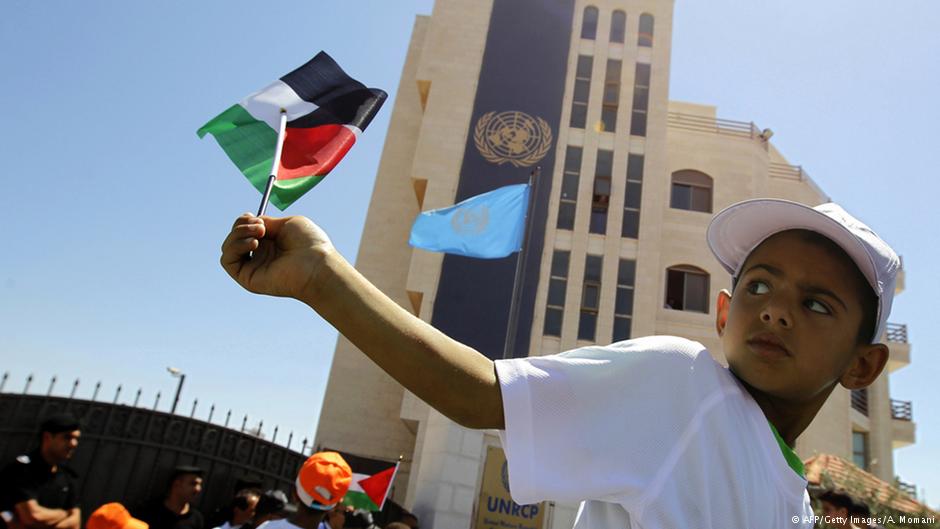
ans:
(653, 432)
(281, 523)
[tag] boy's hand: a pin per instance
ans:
(287, 254)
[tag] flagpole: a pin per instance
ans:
(534, 178)
(274, 164)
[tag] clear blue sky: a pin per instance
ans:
(116, 210)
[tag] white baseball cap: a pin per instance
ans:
(738, 229)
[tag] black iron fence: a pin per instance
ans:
(127, 452)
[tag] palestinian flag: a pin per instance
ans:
(370, 492)
(326, 111)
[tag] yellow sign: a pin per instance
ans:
(495, 509)
(512, 137)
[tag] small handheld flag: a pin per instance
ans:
(487, 226)
(326, 110)
(370, 492)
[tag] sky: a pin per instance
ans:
(116, 210)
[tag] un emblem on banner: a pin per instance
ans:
(470, 221)
(512, 137)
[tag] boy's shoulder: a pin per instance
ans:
(656, 348)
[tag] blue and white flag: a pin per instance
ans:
(488, 226)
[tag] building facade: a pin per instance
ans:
(629, 181)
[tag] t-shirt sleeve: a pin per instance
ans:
(596, 423)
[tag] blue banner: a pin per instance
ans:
(487, 226)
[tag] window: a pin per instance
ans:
(860, 449)
(569, 188)
(601, 198)
(646, 30)
(590, 297)
(589, 24)
(557, 283)
(691, 191)
(641, 96)
(686, 289)
(618, 24)
(631, 206)
(611, 96)
(623, 304)
(582, 87)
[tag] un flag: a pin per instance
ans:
(487, 226)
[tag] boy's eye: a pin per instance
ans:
(817, 306)
(758, 287)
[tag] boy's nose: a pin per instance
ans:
(774, 314)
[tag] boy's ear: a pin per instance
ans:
(868, 363)
(724, 305)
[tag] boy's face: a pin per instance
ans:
(791, 328)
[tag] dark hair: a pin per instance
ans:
(869, 300)
(58, 423)
(240, 501)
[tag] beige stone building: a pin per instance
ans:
(635, 179)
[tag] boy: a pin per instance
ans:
(652, 432)
(321, 483)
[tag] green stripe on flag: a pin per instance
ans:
(250, 144)
(359, 500)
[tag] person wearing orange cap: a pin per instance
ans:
(114, 516)
(321, 484)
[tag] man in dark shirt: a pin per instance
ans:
(175, 510)
(38, 491)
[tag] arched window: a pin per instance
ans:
(589, 23)
(691, 191)
(686, 289)
(618, 25)
(646, 30)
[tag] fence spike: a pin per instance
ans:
(274, 437)
(156, 401)
(211, 412)
(227, 417)
(289, 439)
(244, 422)
(117, 394)
(137, 397)
(29, 380)
(193, 413)
(3, 382)
(74, 389)
(51, 385)
(303, 446)
(95, 394)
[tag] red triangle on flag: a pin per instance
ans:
(376, 486)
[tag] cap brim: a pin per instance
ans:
(738, 229)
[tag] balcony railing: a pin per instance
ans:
(896, 332)
(789, 172)
(901, 410)
(860, 400)
(727, 127)
(907, 488)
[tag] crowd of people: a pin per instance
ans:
(40, 491)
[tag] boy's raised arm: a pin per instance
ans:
(294, 258)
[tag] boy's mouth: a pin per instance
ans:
(768, 345)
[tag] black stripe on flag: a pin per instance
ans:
(355, 108)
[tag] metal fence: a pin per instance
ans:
(127, 452)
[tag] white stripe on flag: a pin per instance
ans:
(266, 104)
(356, 478)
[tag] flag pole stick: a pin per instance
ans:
(274, 164)
(534, 178)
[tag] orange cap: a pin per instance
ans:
(323, 480)
(114, 516)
